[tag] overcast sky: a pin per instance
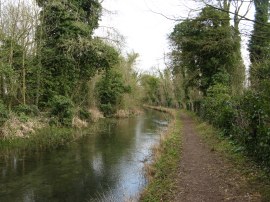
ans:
(146, 32)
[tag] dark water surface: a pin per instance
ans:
(104, 166)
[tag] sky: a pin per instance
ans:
(145, 31)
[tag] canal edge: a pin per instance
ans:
(162, 172)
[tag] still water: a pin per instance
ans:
(103, 166)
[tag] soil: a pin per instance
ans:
(205, 175)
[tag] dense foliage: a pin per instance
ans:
(50, 61)
(203, 51)
(110, 90)
(68, 53)
(204, 58)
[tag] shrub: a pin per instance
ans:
(84, 114)
(218, 107)
(62, 110)
(3, 113)
(110, 90)
(253, 124)
(107, 109)
(29, 110)
(246, 118)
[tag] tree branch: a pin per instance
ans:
(241, 16)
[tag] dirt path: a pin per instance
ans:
(205, 176)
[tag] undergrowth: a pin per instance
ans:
(258, 177)
(45, 139)
(42, 139)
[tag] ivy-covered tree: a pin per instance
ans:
(204, 51)
(110, 90)
(10, 66)
(69, 54)
(259, 45)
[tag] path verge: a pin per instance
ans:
(249, 176)
(163, 170)
(196, 164)
(206, 175)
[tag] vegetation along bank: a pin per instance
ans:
(54, 72)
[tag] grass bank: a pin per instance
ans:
(36, 134)
(258, 178)
(163, 170)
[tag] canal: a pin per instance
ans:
(106, 165)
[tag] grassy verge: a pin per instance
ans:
(257, 178)
(162, 173)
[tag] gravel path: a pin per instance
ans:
(205, 176)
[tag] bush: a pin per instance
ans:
(84, 114)
(3, 113)
(110, 90)
(62, 110)
(246, 118)
(107, 109)
(253, 124)
(218, 108)
(29, 110)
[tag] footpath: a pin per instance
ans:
(205, 175)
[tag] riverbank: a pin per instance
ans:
(40, 132)
(195, 163)
(161, 173)
(42, 140)
(36, 134)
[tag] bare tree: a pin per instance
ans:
(18, 20)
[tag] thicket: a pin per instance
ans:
(243, 118)
(158, 89)
(204, 56)
(110, 90)
(51, 62)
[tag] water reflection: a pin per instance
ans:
(108, 164)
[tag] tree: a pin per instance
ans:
(151, 86)
(259, 45)
(127, 67)
(237, 10)
(204, 51)
(69, 54)
(17, 44)
(167, 88)
(110, 90)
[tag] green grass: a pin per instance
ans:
(164, 169)
(257, 177)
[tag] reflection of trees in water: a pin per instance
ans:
(98, 163)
